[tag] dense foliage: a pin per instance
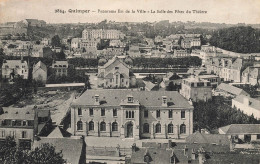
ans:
(218, 113)
(166, 62)
(45, 154)
(237, 39)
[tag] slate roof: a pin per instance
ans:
(231, 89)
(113, 97)
(109, 76)
(114, 59)
(199, 138)
(157, 155)
(241, 129)
(17, 113)
(254, 103)
(71, 147)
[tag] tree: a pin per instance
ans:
(55, 41)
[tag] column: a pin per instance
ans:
(87, 128)
(110, 129)
(98, 129)
(152, 131)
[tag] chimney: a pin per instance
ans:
(246, 101)
(202, 158)
(185, 150)
(164, 101)
(169, 144)
(134, 147)
(193, 154)
(96, 100)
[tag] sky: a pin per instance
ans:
(218, 11)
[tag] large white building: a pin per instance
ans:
(102, 34)
(132, 114)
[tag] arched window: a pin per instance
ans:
(183, 129)
(114, 126)
(102, 126)
(79, 125)
(146, 128)
(91, 125)
(170, 128)
(158, 128)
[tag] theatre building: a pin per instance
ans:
(132, 114)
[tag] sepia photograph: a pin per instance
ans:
(129, 82)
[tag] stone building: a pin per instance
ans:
(60, 68)
(14, 68)
(196, 89)
(102, 34)
(39, 72)
(132, 114)
(115, 74)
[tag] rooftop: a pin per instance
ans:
(113, 97)
(241, 129)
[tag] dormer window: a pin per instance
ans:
(164, 100)
(130, 99)
(116, 68)
(96, 98)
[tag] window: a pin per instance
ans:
(116, 79)
(170, 128)
(91, 112)
(258, 136)
(79, 125)
(103, 112)
(91, 125)
(145, 113)
(158, 113)
(114, 126)
(102, 126)
(158, 128)
(114, 112)
(2, 133)
(170, 113)
(183, 129)
(130, 114)
(146, 128)
(182, 114)
(24, 135)
(130, 99)
(79, 111)
(164, 99)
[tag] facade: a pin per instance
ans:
(228, 69)
(181, 53)
(39, 72)
(102, 34)
(189, 42)
(251, 75)
(115, 74)
(46, 41)
(60, 68)
(213, 79)
(132, 114)
(23, 124)
(89, 44)
(196, 89)
(75, 43)
(248, 105)
(13, 68)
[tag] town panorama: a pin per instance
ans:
(129, 92)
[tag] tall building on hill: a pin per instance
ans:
(102, 34)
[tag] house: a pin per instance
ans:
(251, 75)
(39, 72)
(60, 68)
(181, 53)
(227, 90)
(245, 132)
(196, 89)
(46, 41)
(247, 105)
(189, 42)
(24, 124)
(132, 114)
(115, 74)
(14, 68)
(213, 79)
(116, 43)
(75, 43)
